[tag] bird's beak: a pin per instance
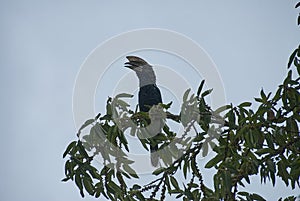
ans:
(135, 62)
(130, 65)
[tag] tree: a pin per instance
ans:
(246, 142)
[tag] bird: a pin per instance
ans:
(149, 94)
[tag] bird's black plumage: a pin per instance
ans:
(149, 93)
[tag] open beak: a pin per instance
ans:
(134, 62)
(130, 65)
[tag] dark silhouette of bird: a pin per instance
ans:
(149, 94)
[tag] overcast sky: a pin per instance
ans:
(44, 44)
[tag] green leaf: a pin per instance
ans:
(264, 151)
(65, 179)
(133, 130)
(82, 149)
(108, 108)
(278, 94)
(185, 168)
(292, 126)
(205, 93)
(139, 195)
(189, 195)
(298, 66)
(167, 106)
(86, 123)
(123, 140)
(166, 156)
(158, 171)
(247, 179)
(222, 109)
(296, 63)
(245, 104)
(243, 193)
(78, 182)
(97, 116)
(185, 95)
(263, 95)
(113, 188)
(255, 196)
(271, 165)
(67, 168)
(123, 95)
(258, 100)
(292, 57)
(99, 189)
(214, 161)
(70, 146)
(174, 183)
(282, 172)
(227, 180)
(136, 187)
(161, 137)
(87, 182)
(231, 119)
(122, 104)
(130, 171)
(288, 78)
(120, 179)
(204, 149)
(272, 175)
(200, 87)
(199, 138)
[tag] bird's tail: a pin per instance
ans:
(154, 155)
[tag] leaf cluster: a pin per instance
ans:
(245, 142)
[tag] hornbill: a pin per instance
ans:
(149, 94)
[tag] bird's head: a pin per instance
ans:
(143, 70)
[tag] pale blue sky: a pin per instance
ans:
(44, 43)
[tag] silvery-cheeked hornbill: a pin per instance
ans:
(149, 93)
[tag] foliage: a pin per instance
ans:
(246, 142)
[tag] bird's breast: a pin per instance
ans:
(149, 95)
